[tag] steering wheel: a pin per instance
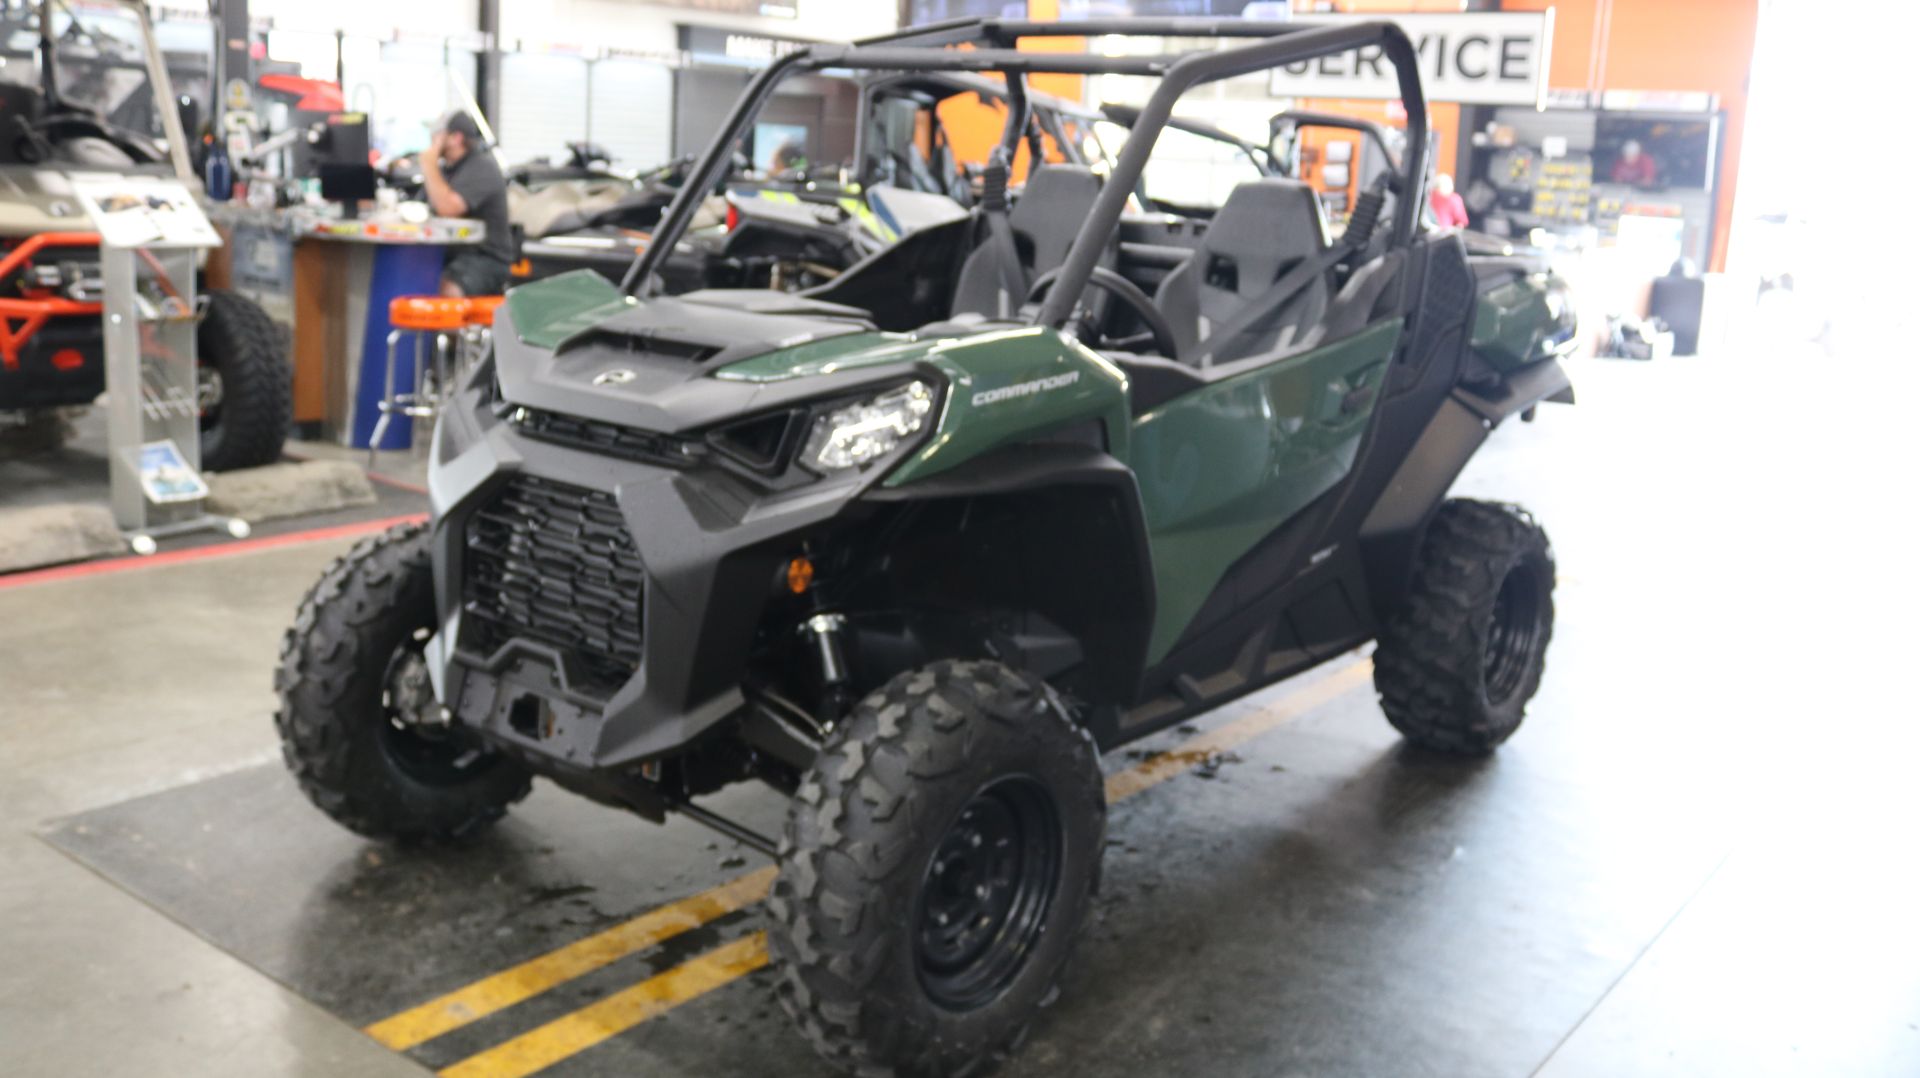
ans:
(1128, 293)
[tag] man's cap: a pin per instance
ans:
(460, 121)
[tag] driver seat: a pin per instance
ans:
(1045, 221)
(1265, 229)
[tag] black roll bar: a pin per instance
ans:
(916, 50)
(1200, 68)
(706, 172)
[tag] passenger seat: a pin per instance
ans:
(1045, 219)
(1266, 227)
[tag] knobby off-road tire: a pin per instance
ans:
(1458, 662)
(350, 679)
(948, 779)
(240, 346)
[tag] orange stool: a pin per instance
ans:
(480, 310)
(440, 317)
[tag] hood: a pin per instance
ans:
(576, 345)
(35, 200)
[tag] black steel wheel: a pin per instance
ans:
(939, 862)
(359, 725)
(1513, 634)
(986, 892)
(414, 735)
(1459, 660)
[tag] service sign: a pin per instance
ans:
(1470, 57)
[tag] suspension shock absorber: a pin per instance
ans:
(829, 650)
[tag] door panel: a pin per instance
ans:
(1223, 466)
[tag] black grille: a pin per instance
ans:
(554, 563)
(607, 439)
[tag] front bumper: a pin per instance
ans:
(710, 546)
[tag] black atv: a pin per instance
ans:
(52, 347)
(916, 547)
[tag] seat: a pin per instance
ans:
(1045, 221)
(1265, 228)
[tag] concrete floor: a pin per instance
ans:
(1696, 859)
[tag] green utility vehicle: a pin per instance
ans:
(917, 546)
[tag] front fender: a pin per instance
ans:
(1017, 386)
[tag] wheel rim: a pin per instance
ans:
(211, 393)
(986, 893)
(1513, 634)
(412, 733)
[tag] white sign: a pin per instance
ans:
(143, 211)
(1473, 57)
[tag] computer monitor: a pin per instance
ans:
(347, 183)
(339, 157)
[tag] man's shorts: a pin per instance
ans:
(475, 273)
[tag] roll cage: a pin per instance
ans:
(991, 45)
(1047, 114)
(57, 110)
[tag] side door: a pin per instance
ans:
(1224, 465)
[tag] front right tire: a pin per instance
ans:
(358, 723)
(939, 863)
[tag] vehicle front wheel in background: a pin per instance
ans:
(245, 385)
(358, 722)
(939, 862)
(1458, 662)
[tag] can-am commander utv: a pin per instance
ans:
(915, 547)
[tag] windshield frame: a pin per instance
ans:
(159, 82)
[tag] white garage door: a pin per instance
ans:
(542, 106)
(632, 114)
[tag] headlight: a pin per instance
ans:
(858, 434)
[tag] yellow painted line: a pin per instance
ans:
(528, 979)
(576, 1032)
(1194, 751)
(564, 1037)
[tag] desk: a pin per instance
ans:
(330, 280)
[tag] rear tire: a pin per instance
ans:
(353, 696)
(1458, 662)
(939, 862)
(250, 382)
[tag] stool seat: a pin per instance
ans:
(427, 313)
(480, 310)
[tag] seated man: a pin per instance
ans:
(463, 180)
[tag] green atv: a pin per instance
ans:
(917, 546)
(103, 103)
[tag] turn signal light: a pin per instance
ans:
(799, 575)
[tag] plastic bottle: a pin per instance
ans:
(219, 175)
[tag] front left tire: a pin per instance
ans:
(939, 863)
